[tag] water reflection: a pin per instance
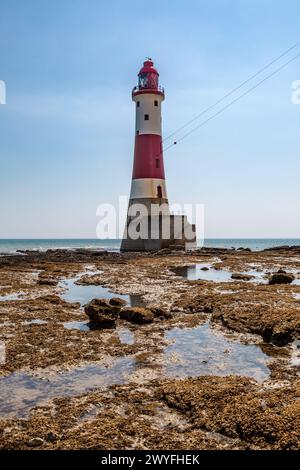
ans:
(204, 351)
(20, 392)
(85, 293)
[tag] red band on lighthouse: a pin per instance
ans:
(148, 158)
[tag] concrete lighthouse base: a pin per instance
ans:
(154, 233)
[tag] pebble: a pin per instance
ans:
(35, 442)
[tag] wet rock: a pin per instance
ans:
(52, 299)
(52, 437)
(117, 302)
(181, 270)
(99, 253)
(241, 277)
(161, 313)
(101, 313)
(138, 315)
(177, 247)
(200, 305)
(35, 442)
(97, 303)
(162, 252)
(47, 282)
(281, 338)
(205, 268)
(281, 278)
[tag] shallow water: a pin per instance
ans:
(126, 336)
(20, 392)
(85, 293)
(205, 351)
(193, 352)
(36, 321)
(196, 272)
(8, 297)
(77, 325)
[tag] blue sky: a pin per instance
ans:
(67, 130)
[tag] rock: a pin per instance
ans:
(117, 302)
(52, 299)
(177, 247)
(201, 307)
(160, 313)
(281, 278)
(138, 315)
(281, 271)
(47, 282)
(52, 437)
(208, 308)
(99, 253)
(35, 442)
(241, 276)
(205, 268)
(95, 303)
(162, 252)
(101, 313)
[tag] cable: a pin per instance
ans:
(232, 102)
(232, 91)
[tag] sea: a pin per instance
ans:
(12, 246)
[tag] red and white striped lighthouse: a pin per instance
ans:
(148, 178)
(148, 187)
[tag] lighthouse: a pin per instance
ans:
(150, 226)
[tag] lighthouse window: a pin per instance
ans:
(159, 192)
(138, 104)
(157, 163)
(146, 117)
(155, 103)
(137, 132)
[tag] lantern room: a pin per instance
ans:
(148, 76)
(148, 79)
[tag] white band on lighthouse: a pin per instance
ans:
(148, 188)
(148, 114)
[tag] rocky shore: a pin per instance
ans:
(194, 350)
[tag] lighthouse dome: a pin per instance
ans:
(148, 67)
